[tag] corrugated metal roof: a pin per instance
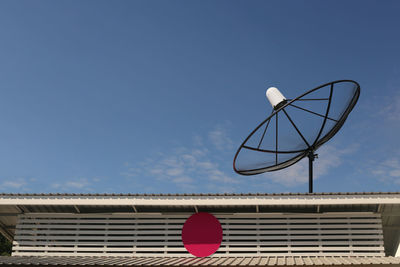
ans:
(223, 261)
(202, 194)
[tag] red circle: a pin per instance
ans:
(202, 234)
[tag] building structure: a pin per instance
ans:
(319, 229)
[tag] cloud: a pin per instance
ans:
(329, 157)
(77, 184)
(81, 184)
(175, 171)
(190, 167)
(391, 110)
(14, 183)
(183, 180)
(220, 139)
(199, 166)
(186, 166)
(388, 171)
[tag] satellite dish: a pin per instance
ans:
(296, 128)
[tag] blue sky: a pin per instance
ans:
(156, 96)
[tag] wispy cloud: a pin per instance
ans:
(388, 171)
(14, 183)
(329, 157)
(191, 166)
(82, 184)
(391, 110)
(197, 166)
(220, 139)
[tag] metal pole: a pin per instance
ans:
(311, 157)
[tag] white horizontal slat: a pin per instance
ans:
(142, 239)
(229, 231)
(313, 226)
(178, 238)
(222, 221)
(103, 221)
(179, 243)
(327, 234)
(291, 221)
(232, 234)
(236, 216)
(87, 226)
(311, 254)
(101, 238)
(182, 249)
(292, 232)
(98, 231)
(222, 217)
(97, 243)
(100, 249)
(244, 234)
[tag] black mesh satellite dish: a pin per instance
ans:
(296, 128)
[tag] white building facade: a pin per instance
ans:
(341, 228)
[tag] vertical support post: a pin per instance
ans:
(276, 138)
(311, 156)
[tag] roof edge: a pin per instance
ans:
(198, 194)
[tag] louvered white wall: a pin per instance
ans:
(254, 234)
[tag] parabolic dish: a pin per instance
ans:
(297, 127)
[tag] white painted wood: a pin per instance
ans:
(324, 234)
(254, 234)
(168, 227)
(179, 243)
(216, 255)
(120, 247)
(236, 216)
(206, 200)
(264, 221)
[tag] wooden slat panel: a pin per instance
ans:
(102, 221)
(227, 234)
(230, 217)
(181, 249)
(254, 234)
(144, 238)
(95, 226)
(98, 231)
(222, 221)
(308, 254)
(101, 231)
(179, 243)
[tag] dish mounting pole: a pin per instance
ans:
(311, 156)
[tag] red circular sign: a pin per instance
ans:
(202, 234)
